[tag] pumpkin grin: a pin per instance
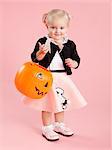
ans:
(39, 92)
(33, 80)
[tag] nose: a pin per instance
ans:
(57, 30)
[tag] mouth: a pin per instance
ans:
(57, 34)
(39, 92)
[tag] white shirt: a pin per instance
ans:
(56, 63)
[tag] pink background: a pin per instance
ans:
(20, 27)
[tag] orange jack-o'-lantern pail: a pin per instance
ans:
(33, 80)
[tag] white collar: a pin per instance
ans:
(47, 43)
(65, 40)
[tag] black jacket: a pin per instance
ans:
(68, 51)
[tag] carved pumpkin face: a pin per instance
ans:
(33, 80)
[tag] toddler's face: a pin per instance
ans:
(57, 29)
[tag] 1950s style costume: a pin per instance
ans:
(64, 95)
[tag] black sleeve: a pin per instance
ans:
(33, 54)
(75, 55)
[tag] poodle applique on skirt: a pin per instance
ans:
(64, 95)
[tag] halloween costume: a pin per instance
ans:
(64, 95)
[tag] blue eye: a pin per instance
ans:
(62, 28)
(53, 27)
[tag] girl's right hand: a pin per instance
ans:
(42, 51)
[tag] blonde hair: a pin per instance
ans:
(48, 17)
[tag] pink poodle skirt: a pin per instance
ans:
(64, 95)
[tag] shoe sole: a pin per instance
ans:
(51, 140)
(64, 134)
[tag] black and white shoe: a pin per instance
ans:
(49, 133)
(60, 128)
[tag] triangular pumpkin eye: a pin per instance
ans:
(39, 75)
(46, 85)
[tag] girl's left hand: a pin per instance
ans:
(71, 63)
